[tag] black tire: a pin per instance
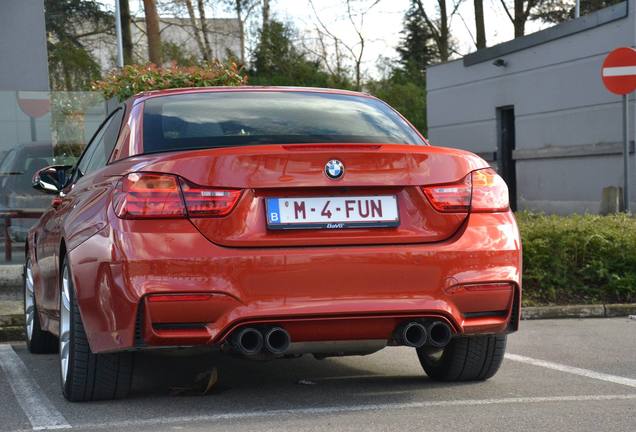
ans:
(38, 341)
(90, 376)
(474, 358)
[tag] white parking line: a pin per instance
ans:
(36, 406)
(573, 370)
(350, 408)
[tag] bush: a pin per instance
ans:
(578, 259)
(133, 79)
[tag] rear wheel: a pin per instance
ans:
(474, 358)
(85, 375)
(37, 340)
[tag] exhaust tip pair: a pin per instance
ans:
(415, 334)
(251, 341)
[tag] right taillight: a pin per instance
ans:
(480, 191)
(490, 192)
(166, 196)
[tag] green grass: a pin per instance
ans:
(578, 259)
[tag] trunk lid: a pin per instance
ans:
(293, 171)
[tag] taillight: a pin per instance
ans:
(165, 196)
(204, 202)
(480, 191)
(148, 196)
(490, 192)
(450, 198)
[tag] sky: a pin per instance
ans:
(382, 24)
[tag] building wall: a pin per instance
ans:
(568, 126)
(23, 21)
(223, 34)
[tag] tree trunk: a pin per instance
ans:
(480, 25)
(520, 19)
(124, 16)
(195, 28)
(444, 31)
(239, 16)
(152, 32)
(204, 29)
(265, 41)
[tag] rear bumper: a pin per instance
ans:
(317, 293)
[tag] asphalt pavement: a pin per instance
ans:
(561, 375)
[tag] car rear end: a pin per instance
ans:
(269, 222)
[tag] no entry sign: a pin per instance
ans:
(619, 71)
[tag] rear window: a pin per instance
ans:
(219, 119)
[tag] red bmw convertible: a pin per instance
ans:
(269, 223)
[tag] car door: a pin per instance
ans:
(70, 202)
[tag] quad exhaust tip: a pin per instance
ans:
(439, 334)
(277, 340)
(247, 341)
(251, 341)
(413, 334)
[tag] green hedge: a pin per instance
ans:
(578, 259)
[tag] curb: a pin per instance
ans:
(578, 311)
(11, 276)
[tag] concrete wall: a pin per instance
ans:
(568, 127)
(23, 57)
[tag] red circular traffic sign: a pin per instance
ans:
(619, 71)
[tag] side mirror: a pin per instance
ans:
(51, 179)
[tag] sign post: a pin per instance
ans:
(619, 76)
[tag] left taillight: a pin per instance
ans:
(482, 190)
(166, 196)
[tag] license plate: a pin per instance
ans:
(332, 212)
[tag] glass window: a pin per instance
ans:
(218, 119)
(102, 145)
(105, 147)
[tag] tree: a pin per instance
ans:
(199, 31)
(480, 25)
(127, 45)
(522, 12)
(243, 9)
(152, 32)
(440, 27)
(355, 51)
(68, 25)
(418, 47)
(557, 11)
(277, 61)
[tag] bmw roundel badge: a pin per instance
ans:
(334, 169)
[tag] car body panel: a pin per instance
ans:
(321, 285)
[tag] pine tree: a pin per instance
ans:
(417, 47)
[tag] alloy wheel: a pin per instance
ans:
(29, 301)
(65, 323)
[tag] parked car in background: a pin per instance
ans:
(16, 192)
(269, 222)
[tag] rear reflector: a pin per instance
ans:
(148, 196)
(178, 297)
(161, 196)
(488, 286)
(205, 202)
(480, 191)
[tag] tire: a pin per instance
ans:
(474, 358)
(37, 340)
(86, 376)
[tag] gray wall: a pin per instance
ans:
(23, 57)
(561, 109)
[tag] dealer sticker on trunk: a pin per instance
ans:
(332, 212)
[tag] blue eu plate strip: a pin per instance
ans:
(273, 214)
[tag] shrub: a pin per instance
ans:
(578, 259)
(133, 79)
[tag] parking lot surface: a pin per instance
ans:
(562, 375)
